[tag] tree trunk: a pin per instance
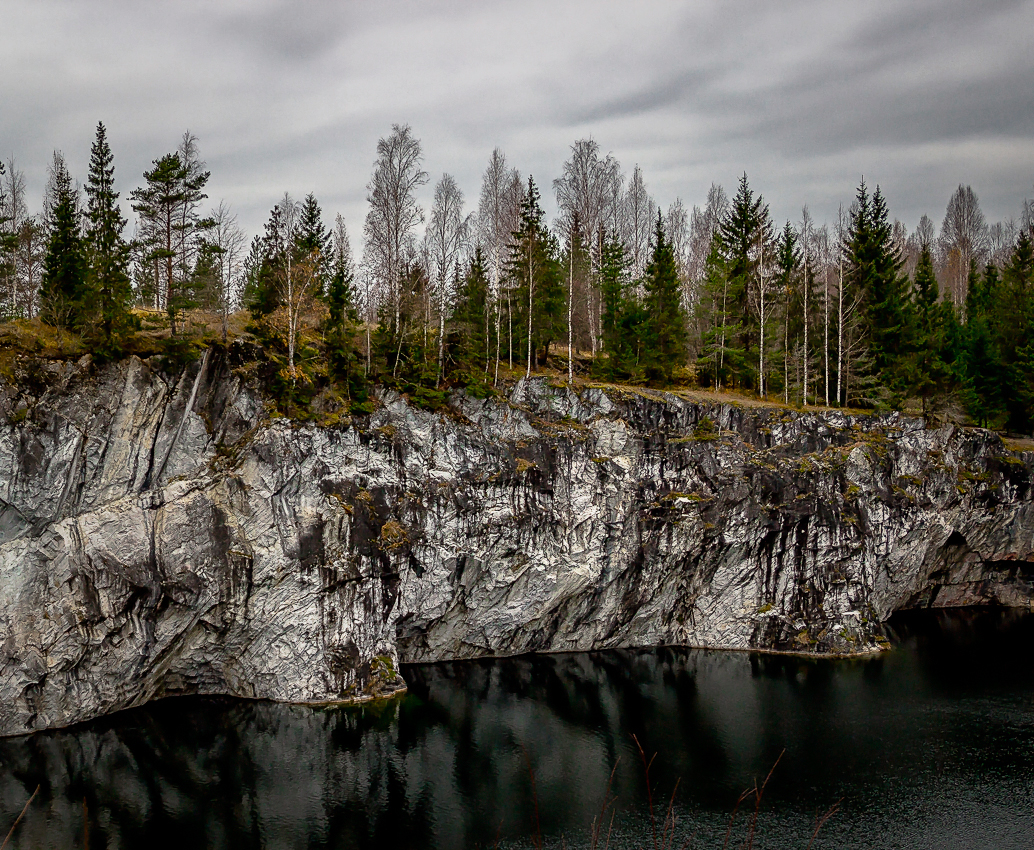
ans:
(531, 294)
(761, 329)
(806, 288)
(840, 333)
(570, 316)
(786, 349)
(825, 340)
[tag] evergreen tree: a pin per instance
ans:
(929, 375)
(342, 327)
(983, 374)
(166, 207)
(63, 289)
(314, 240)
(341, 285)
(721, 358)
(1016, 332)
(265, 267)
(621, 315)
(664, 334)
(788, 285)
(470, 341)
(107, 252)
(874, 266)
(745, 238)
(536, 277)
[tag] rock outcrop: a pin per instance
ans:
(165, 534)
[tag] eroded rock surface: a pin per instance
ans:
(163, 534)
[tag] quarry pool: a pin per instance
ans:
(930, 745)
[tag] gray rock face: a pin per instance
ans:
(164, 535)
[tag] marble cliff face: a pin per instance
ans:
(164, 534)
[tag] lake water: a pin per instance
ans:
(930, 745)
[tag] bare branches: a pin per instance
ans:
(394, 212)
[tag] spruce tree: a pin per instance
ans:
(313, 240)
(929, 375)
(746, 240)
(788, 285)
(107, 252)
(721, 358)
(1016, 332)
(470, 343)
(621, 314)
(265, 266)
(536, 278)
(664, 336)
(874, 267)
(983, 374)
(63, 289)
(340, 294)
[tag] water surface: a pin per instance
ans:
(928, 746)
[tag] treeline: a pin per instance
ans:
(860, 313)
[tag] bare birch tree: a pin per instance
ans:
(760, 295)
(588, 191)
(445, 237)
(228, 246)
(964, 238)
(496, 220)
(806, 231)
(639, 213)
(15, 214)
(394, 212)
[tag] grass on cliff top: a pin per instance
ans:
(200, 329)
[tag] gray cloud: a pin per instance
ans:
(805, 96)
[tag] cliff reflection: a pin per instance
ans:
(448, 765)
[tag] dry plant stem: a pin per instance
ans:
(537, 837)
(597, 823)
(25, 808)
(757, 801)
(732, 817)
(820, 821)
(649, 791)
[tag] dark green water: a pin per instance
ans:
(928, 746)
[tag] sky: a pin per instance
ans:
(805, 96)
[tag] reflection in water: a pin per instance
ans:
(929, 746)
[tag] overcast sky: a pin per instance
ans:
(804, 96)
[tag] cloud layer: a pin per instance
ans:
(805, 96)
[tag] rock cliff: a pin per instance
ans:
(164, 533)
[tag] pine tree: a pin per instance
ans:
(664, 336)
(63, 289)
(166, 208)
(107, 252)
